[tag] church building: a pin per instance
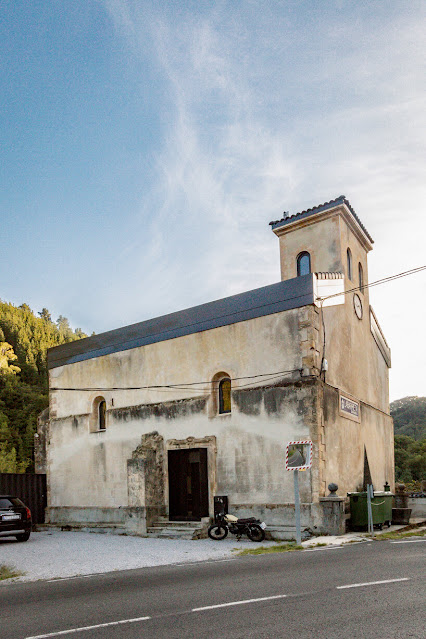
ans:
(149, 422)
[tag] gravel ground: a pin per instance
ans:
(50, 555)
(47, 555)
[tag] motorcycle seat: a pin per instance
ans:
(248, 520)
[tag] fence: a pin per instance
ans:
(31, 488)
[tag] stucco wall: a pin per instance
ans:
(90, 468)
(321, 240)
(345, 441)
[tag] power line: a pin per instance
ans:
(272, 376)
(182, 385)
(384, 280)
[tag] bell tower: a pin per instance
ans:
(329, 238)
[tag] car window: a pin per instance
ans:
(7, 502)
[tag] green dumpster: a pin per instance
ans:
(387, 497)
(359, 511)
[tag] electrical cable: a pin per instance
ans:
(184, 386)
(181, 386)
(384, 280)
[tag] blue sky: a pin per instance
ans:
(145, 146)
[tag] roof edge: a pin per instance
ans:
(320, 208)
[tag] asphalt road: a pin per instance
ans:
(324, 593)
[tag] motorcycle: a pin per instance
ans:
(252, 527)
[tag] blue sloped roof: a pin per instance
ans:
(270, 299)
(318, 209)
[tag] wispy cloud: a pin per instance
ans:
(272, 108)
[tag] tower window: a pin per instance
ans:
(349, 256)
(225, 395)
(361, 278)
(303, 264)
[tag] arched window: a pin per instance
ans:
(102, 415)
(224, 396)
(349, 259)
(360, 277)
(303, 263)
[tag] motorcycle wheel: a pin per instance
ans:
(255, 533)
(217, 532)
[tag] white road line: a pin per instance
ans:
(373, 583)
(408, 541)
(83, 629)
(198, 563)
(325, 548)
(238, 603)
(49, 581)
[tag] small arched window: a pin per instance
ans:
(360, 277)
(303, 264)
(224, 396)
(102, 415)
(349, 260)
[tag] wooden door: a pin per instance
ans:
(188, 484)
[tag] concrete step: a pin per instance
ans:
(162, 528)
(113, 529)
(162, 521)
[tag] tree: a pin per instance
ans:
(410, 459)
(6, 356)
(25, 338)
(44, 314)
(409, 416)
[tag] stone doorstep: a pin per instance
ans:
(179, 524)
(117, 529)
(176, 529)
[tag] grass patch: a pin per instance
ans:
(6, 572)
(262, 550)
(396, 534)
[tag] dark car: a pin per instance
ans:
(15, 518)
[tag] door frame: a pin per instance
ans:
(208, 442)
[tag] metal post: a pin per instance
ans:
(370, 495)
(297, 507)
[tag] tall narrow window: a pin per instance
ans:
(303, 264)
(102, 415)
(225, 395)
(361, 278)
(349, 256)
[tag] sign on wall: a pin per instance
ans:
(349, 408)
(298, 455)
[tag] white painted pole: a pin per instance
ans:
(297, 507)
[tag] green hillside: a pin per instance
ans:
(24, 340)
(409, 416)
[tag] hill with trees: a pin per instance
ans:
(24, 340)
(409, 415)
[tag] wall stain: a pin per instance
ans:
(249, 401)
(170, 410)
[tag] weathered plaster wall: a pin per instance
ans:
(321, 240)
(262, 345)
(41, 438)
(344, 443)
(90, 468)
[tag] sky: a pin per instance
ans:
(145, 147)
